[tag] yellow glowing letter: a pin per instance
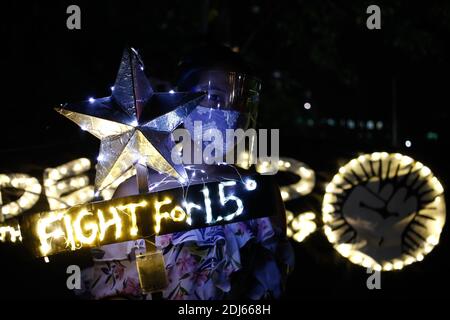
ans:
(87, 226)
(114, 221)
(178, 217)
(160, 215)
(43, 235)
(132, 209)
(70, 241)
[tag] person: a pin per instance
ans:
(249, 259)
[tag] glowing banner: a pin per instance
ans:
(135, 217)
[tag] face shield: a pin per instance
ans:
(231, 102)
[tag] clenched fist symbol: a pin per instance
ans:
(379, 213)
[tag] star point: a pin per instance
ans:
(134, 123)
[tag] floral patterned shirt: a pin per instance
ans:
(239, 260)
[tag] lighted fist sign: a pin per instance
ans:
(384, 211)
(380, 214)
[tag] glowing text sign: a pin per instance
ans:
(123, 219)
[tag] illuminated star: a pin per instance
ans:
(134, 124)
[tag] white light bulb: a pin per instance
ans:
(307, 105)
(408, 143)
(250, 184)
